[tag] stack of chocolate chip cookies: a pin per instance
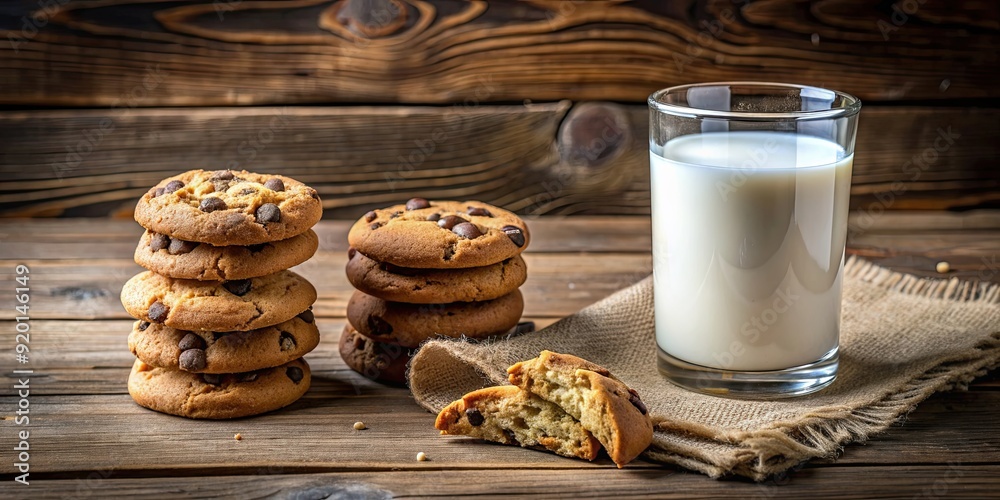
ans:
(430, 269)
(222, 324)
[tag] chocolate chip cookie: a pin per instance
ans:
(410, 324)
(378, 361)
(435, 286)
(612, 411)
(508, 415)
(440, 234)
(229, 207)
(211, 396)
(217, 306)
(223, 352)
(177, 258)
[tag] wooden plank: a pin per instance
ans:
(83, 432)
(558, 284)
(428, 480)
(535, 159)
(97, 238)
(442, 51)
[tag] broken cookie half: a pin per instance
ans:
(560, 402)
(508, 415)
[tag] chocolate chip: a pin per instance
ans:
(286, 341)
(467, 230)
(212, 204)
(479, 211)
(307, 316)
(378, 326)
(633, 397)
(351, 252)
(294, 373)
(450, 221)
(268, 212)
(143, 325)
(211, 378)
(173, 186)
(158, 192)
(370, 216)
(158, 242)
(248, 376)
(192, 360)
(222, 175)
(275, 184)
(395, 214)
(256, 248)
(417, 204)
(158, 312)
(475, 417)
(191, 341)
(433, 217)
(237, 287)
(515, 234)
(178, 247)
(375, 225)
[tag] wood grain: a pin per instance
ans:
(231, 52)
(590, 158)
(79, 405)
(429, 481)
(75, 384)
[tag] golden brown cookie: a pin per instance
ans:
(217, 306)
(435, 286)
(506, 414)
(200, 261)
(410, 324)
(378, 361)
(226, 207)
(211, 396)
(224, 352)
(604, 405)
(440, 234)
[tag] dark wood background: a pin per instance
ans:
(536, 106)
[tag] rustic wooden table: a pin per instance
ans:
(87, 437)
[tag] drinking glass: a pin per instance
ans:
(750, 190)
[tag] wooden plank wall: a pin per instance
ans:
(534, 105)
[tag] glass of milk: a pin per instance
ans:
(750, 188)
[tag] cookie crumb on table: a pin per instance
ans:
(360, 426)
(238, 437)
(421, 457)
(943, 267)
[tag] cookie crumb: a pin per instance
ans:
(360, 426)
(421, 457)
(943, 267)
(238, 437)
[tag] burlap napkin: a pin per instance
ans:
(903, 338)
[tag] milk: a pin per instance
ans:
(748, 248)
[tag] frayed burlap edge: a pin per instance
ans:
(781, 446)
